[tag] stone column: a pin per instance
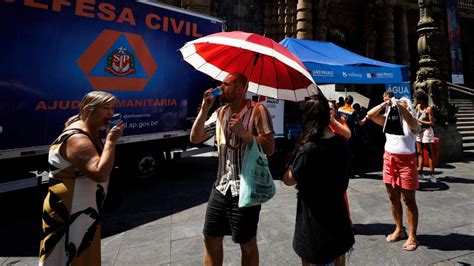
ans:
(370, 32)
(281, 20)
(304, 19)
(274, 20)
(268, 24)
(388, 35)
(201, 6)
(290, 18)
(321, 25)
(427, 79)
(404, 47)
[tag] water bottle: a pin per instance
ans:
(216, 92)
(115, 119)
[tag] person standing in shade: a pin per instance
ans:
(323, 233)
(235, 125)
(80, 164)
(399, 165)
(425, 138)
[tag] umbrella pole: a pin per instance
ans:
(255, 60)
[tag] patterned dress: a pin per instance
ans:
(72, 211)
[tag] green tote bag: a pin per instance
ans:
(256, 182)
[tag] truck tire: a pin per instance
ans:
(143, 165)
(146, 165)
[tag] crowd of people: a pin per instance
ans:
(324, 233)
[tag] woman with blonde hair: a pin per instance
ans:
(80, 163)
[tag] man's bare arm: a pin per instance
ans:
(198, 134)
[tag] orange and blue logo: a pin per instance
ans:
(117, 61)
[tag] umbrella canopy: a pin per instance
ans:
(272, 70)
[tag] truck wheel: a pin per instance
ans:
(146, 165)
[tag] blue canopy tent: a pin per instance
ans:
(329, 63)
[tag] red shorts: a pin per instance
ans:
(400, 170)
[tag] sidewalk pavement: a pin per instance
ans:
(445, 231)
(159, 222)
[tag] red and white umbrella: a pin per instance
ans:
(272, 70)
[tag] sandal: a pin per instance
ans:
(394, 238)
(410, 246)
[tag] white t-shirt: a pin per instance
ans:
(401, 144)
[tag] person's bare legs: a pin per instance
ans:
(419, 152)
(250, 252)
(214, 251)
(412, 213)
(397, 211)
(429, 149)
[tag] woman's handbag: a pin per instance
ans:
(256, 182)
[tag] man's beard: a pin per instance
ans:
(224, 100)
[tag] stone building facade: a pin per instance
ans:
(382, 29)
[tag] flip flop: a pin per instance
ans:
(392, 238)
(410, 246)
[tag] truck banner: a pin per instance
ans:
(55, 52)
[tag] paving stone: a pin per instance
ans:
(187, 229)
(370, 208)
(156, 254)
(190, 262)
(23, 261)
(194, 213)
(167, 229)
(463, 260)
(390, 254)
(449, 243)
(443, 219)
(187, 248)
(110, 248)
(276, 225)
(278, 253)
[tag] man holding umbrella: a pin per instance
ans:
(235, 125)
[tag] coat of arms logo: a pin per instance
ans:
(120, 62)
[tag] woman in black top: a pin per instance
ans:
(320, 170)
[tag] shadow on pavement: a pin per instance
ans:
(446, 166)
(449, 242)
(21, 223)
(130, 203)
(453, 179)
(180, 185)
(426, 185)
(374, 229)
